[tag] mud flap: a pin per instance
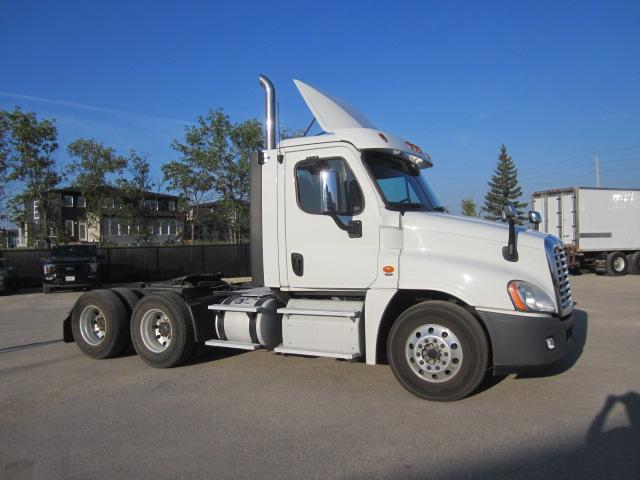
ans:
(67, 334)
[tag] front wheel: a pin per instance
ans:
(438, 351)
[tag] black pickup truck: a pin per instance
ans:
(72, 266)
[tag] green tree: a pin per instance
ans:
(233, 182)
(468, 207)
(503, 189)
(5, 132)
(193, 175)
(29, 147)
(133, 192)
(286, 132)
(93, 169)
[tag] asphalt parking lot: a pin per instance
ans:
(260, 415)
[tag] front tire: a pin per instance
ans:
(438, 351)
(161, 330)
(99, 324)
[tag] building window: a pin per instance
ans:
(68, 226)
(67, 200)
(82, 203)
(109, 203)
(172, 205)
(36, 211)
(123, 229)
(113, 227)
(157, 229)
(151, 204)
(82, 231)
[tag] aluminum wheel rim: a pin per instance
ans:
(155, 330)
(618, 264)
(434, 353)
(93, 326)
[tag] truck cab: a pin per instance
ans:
(354, 257)
(350, 214)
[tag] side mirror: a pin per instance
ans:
(329, 192)
(535, 218)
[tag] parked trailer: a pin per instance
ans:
(354, 257)
(600, 227)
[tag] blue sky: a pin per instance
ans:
(554, 81)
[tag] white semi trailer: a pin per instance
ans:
(354, 257)
(600, 227)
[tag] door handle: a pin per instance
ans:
(297, 264)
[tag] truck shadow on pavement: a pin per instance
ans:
(576, 347)
(606, 453)
(207, 354)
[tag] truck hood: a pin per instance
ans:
(463, 257)
(471, 227)
(70, 260)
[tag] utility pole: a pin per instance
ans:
(596, 161)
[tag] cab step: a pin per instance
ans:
(228, 344)
(316, 353)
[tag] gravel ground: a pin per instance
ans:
(260, 415)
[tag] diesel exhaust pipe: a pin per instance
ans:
(269, 112)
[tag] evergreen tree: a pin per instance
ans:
(468, 207)
(503, 189)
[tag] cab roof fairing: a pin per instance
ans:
(347, 124)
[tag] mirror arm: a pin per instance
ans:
(353, 228)
(510, 251)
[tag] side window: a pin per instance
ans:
(350, 198)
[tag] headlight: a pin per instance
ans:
(526, 297)
(93, 267)
(48, 269)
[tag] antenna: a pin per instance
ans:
(596, 161)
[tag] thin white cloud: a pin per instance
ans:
(93, 108)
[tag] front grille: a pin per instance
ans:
(70, 269)
(560, 271)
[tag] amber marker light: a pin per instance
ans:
(515, 297)
(388, 269)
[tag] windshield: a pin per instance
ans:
(74, 251)
(402, 184)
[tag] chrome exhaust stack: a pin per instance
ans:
(269, 112)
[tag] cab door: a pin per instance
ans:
(330, 251)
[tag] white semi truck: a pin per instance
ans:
(354, 257)
(600, 227)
